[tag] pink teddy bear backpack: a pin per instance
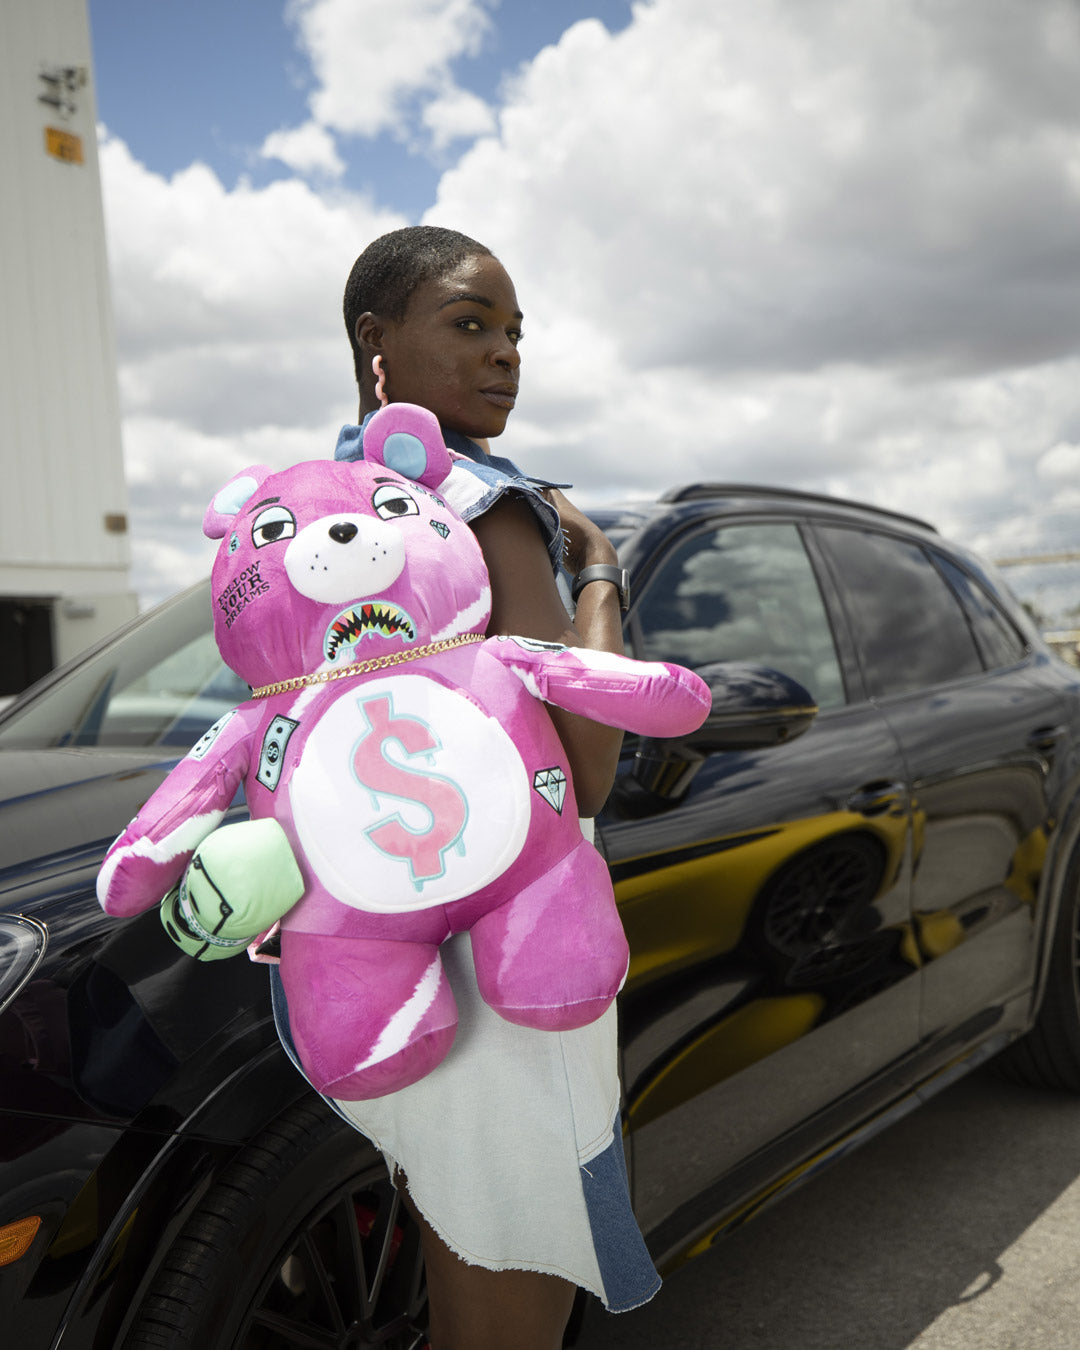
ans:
(409, 761)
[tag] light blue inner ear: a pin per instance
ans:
(406, 453)
(234, 495)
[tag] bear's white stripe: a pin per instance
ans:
(184, 839)
(465, 620)
(398, 1031)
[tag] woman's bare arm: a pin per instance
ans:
(526, 601)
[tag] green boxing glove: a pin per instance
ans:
(240, 881)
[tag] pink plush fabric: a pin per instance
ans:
(420, 799)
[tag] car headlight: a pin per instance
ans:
(22, 945)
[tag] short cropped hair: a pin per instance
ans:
(393, 266)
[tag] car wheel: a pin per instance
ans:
(302, 1241)
(810, 900)
(1049, 1055)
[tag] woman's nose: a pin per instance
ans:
(505, 354)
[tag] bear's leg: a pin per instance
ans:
(555, 955)
(368, 1016)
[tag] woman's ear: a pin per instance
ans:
(369, 331)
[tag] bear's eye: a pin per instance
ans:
(276, 522)
(392, 502)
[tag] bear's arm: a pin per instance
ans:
(149, 858)
(652, 698)
(525, 600)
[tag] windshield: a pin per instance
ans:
(161, 683)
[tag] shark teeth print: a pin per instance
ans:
(381, 619)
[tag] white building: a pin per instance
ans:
(64, 554)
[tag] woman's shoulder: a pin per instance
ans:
(495, 478)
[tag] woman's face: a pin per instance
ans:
(455, 351)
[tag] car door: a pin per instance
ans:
(953, 678)
(765, 893)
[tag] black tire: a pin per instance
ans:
(1049, 1055)
(808, 903)
(302, 1242)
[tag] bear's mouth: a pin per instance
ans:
(374, 619)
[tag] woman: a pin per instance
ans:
(509, 1150)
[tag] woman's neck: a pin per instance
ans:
(365, 409)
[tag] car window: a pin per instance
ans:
(162, 684)
(907, 623)
(741, 593)
(999, 642)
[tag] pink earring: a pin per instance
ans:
(380, 382)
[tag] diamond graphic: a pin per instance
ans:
(439, 527)
(551, 785)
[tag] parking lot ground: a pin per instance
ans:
(958, 1229)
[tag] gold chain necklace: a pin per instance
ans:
(366, 667)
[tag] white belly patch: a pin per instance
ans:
(408, 796)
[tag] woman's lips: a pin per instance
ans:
(503, 396)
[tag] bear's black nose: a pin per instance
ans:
(342, 532)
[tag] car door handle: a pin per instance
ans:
(875, 799)
(1046, 739)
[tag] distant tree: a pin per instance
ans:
(1038, 618)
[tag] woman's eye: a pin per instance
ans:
(392, 502)
(276, 522)
(470, 325)
(515, 335)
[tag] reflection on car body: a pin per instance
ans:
(858, 879)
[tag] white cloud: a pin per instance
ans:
(377, 61)
(194, 262)
(456, 115)
(307, 149)
(1060, 465)
(859, 217)
(231, 344)
(767, 184)
(810, 242)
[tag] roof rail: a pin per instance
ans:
(699, 491)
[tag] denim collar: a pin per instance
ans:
(350, 445)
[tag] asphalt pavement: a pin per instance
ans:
(957, 1229)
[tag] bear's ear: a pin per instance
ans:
(407, 439)
(229, 500)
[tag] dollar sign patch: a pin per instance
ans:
(445, 807)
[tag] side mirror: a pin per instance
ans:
(753, 708)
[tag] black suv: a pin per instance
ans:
(828, 916)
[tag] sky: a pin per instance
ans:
(824, 244)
